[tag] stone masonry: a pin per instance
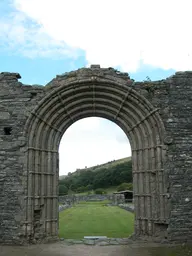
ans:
(156, 117)
(115, 199)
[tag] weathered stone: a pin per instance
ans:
(73, 199)
(156, 116)
(89, 242)
(78, 242)
(95, 237)
(4, 115)
(103, 243)
(113, 242)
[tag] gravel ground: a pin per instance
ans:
(63, 249)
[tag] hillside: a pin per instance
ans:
(61, 177)
(97, 167)
(100, 176)
(106, 165)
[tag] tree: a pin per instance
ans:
(125, 186)
(99, 191)
(89, 187)
(71, 192)
(101, 177)
(81, 189)
(63, 190)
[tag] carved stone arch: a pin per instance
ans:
(70, 100)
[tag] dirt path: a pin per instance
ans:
(59, 249)
(64, 250)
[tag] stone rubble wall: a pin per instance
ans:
(16, 100)
(128, 207)
(72, 199)
(173, 98)
(99, 242)
(63, 207)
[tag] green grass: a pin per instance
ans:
(92, 203)
(95, 219)
(110, 190)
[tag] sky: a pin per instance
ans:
(42, 38)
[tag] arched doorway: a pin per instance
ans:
(72, 98)
(94, 162)
(90, 142)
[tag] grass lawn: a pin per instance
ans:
(95, 219)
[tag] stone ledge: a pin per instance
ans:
(99, 241)
(9, 75)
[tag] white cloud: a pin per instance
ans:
(119, 33)
(111, 33)
(22, 35)
(92, 141)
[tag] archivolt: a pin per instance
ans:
(114, 101)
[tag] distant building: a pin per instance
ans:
(128, 194)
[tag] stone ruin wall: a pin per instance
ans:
(68, 201)
(73, 199)
(173, 97)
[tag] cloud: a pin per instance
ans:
(123, 33)
(118, 33)
(22, 35)
(86, 124)
(89, 142)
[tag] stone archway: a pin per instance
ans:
(84, 94)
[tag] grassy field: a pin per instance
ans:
(95, 219)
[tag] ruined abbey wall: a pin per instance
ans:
(173, 99)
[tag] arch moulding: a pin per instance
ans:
(144, 111)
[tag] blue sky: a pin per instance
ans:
(42, 38)
(43, 70)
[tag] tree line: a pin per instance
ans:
(103, 177)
